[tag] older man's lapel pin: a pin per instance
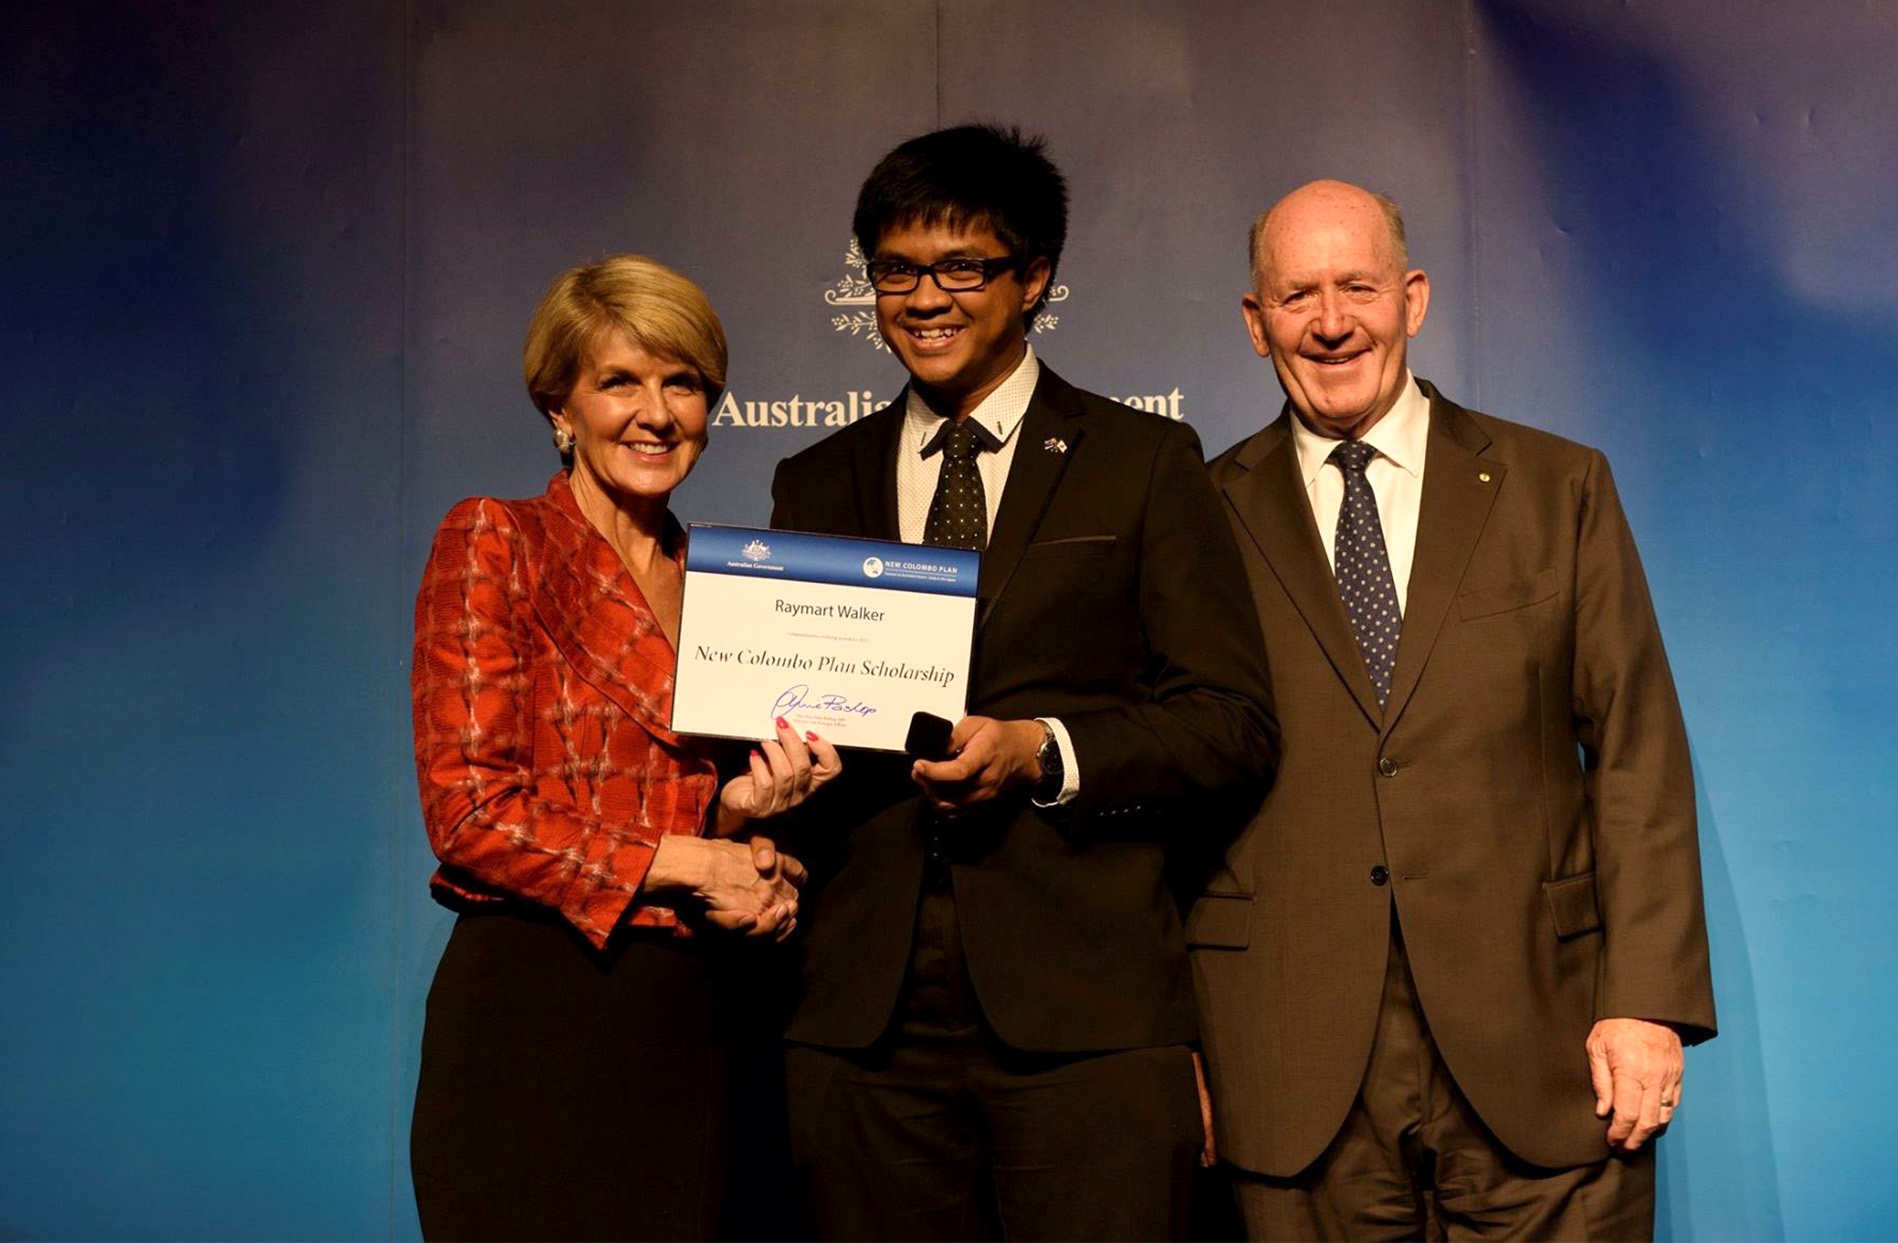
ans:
(1054, 444)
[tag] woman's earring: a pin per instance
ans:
(563, 440)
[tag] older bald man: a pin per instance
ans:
(1447, 971)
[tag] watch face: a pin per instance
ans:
(1049, 756)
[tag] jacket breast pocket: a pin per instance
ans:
(1574, 904)
(1519, 594)
(1220, 921)
(1074, 546)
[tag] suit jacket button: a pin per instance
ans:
(1380, 875)
(1387, 766)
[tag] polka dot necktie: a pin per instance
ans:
(1364, 568)
(959, 513)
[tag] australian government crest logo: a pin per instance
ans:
(757, 550)
(856, 302)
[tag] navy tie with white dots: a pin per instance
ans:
(1363, 567)
(959, 512)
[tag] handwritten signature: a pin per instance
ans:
(801, 696)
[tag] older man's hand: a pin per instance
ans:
(1636, 1068)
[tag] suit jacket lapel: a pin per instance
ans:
(873, 465)
(1457, 496)
(1053, 414)
(594, 612)
(1269, 500)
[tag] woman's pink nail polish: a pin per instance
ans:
(783, 724)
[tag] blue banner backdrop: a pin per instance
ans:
(269, 270)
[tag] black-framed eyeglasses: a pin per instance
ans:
(950, 275)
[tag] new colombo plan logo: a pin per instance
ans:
(858, 317)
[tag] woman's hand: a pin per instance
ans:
(749, 888)
(784, 772)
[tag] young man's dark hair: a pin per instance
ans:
(970, 176)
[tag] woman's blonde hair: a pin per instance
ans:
(659, 310)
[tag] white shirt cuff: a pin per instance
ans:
(1070, 770)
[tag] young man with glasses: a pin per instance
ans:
(995, 1029)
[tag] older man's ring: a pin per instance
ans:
(1667, 1102)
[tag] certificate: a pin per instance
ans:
(848, 638)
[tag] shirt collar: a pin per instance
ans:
(1401, 436)
(1000, 413)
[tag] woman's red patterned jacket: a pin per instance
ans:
(542, 685)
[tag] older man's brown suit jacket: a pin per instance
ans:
(1525, 803)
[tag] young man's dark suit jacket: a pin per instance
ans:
(1527, 790)
(1111, 597)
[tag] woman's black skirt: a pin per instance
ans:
(567, 1093)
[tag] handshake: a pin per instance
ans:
(746, 886)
